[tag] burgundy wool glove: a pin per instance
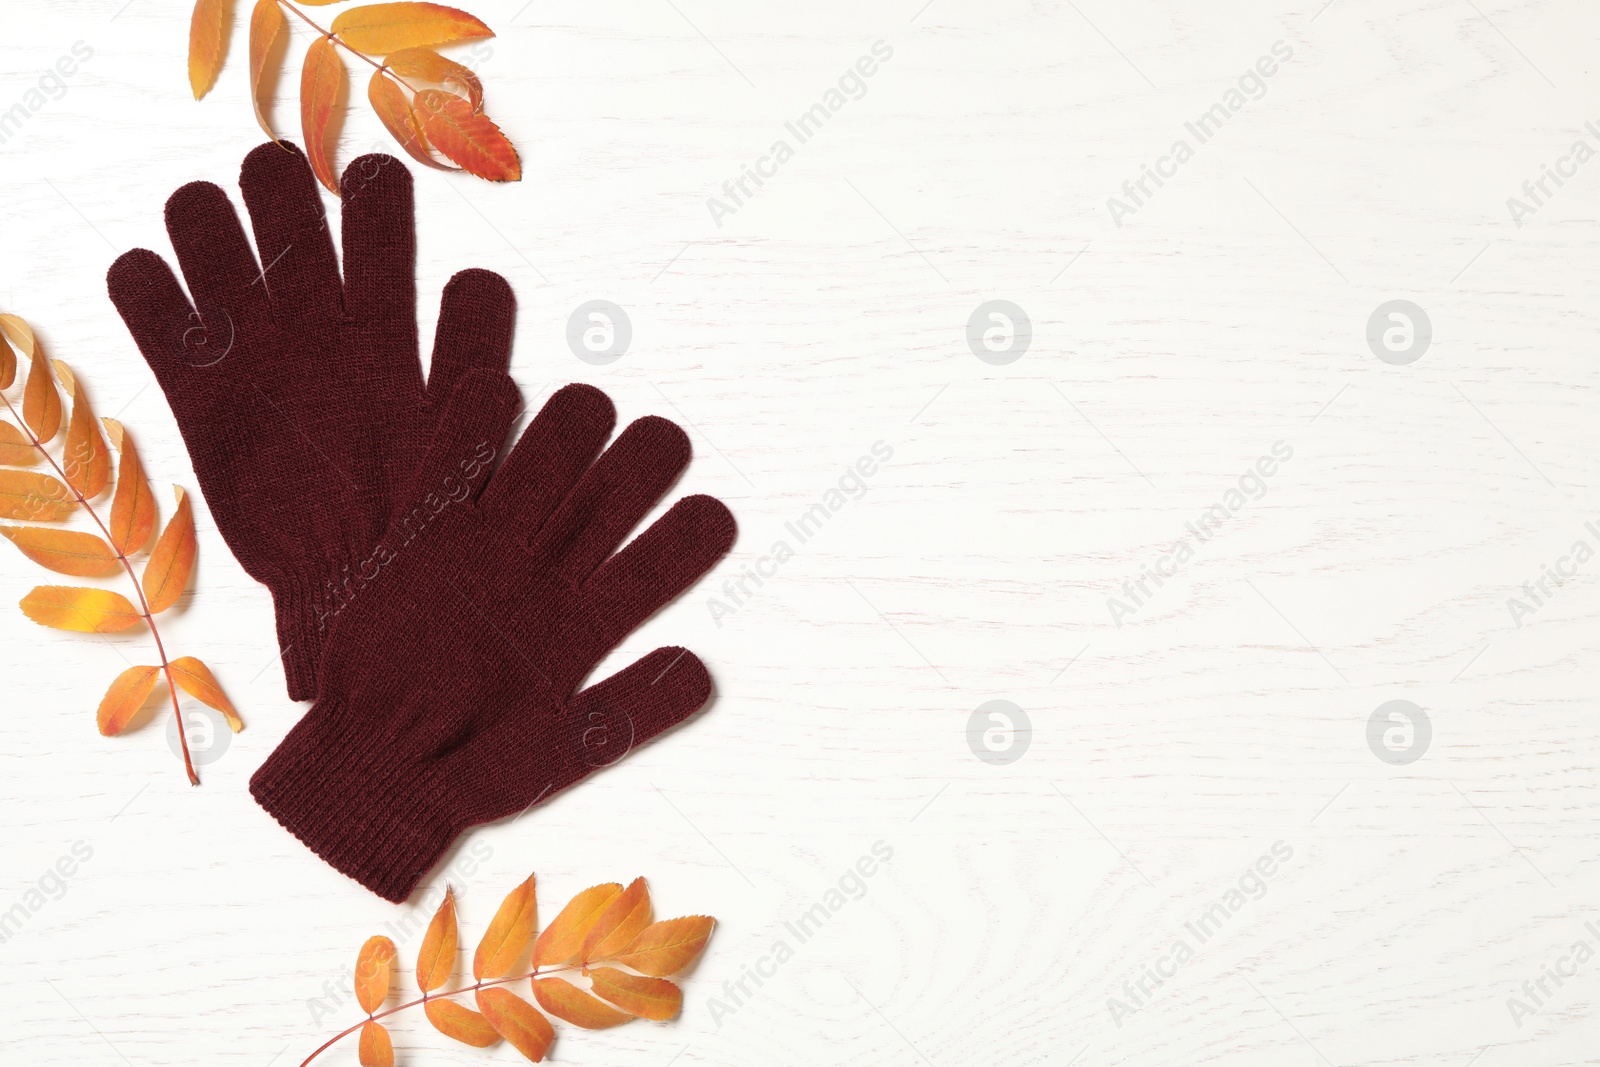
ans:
(450, 688)
(299, 393)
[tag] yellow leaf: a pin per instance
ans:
(64, 551)
(379, 29)
(266, 25)
(460, 1022)
(508, 935)
(517, 1021)
(394, 110)
(16, 328)
(86, 459)
(467, 137)
(427, 65)
(375, 1049)
(196, 679)
(437, 957)
(321, 80)
(41, 405)
(8, 363)
(15, 448)
(125, 697)
(668, 947)
(89, 611)
(208, 28)
(167, 572)
(34, 497)
(133, 508)
(377, 955)
(567, 1002)
(563, 938)
(648, 998)
(623, 920)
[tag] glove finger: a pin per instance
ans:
(554, 451)
(162, 321)
(471, 430)
(476, 316)
(291, 232)
(218, 266)
(612, 497)
(661, 563)
(379, 236)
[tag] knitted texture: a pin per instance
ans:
(298, 391)
(450, 689)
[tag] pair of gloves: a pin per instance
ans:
(441, 604)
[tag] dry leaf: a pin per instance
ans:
(8, 363)
(623, 920)
(460, 1022)
(563, 938)
(16, 328)
(196, 679)
(567, 1002)
(436, 959)
(81, 555)
(669, 946)
(380, 29)
(517, 1021)
(394, 110)
(648, 998)
(15, 448)
(133, 508)
(167, 572)
(86, 459)
(266, 23)
(321, 79)
(376, 1049)
(508, 935)
(89, 611)
(372, 971)
(41, 405)
(34, 497)
(427, 65)
(125, 697)
(207, 29)
(467, 137)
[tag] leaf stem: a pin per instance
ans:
(353, 51)
(341, 1035)
(127, 565)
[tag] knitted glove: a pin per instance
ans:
(450, 688)
(300, 394)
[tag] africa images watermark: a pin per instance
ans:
(737, 191)
(50, 885)
(52, 85)
(1207, 125)
(1538, 190)
(1539, 591)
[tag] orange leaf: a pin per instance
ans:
(430, 66)
(623, 920)
(389, 101)
(437, 957)
(375, 1049)
(266, 24)
(321, 80)
(383, 28)
(8, 363)
(41, 405)
(460, 1022)
(377, 955)
(167, 572)
(517, 1021)
(133, 509)
(563, 938)
(86, 459)
(208, 27)
(508, 935)
(16, 328)
(64, 551)
(467, 137)
(567, 1002)
(125, 697)
(15, 448)
(649, 998)
(88, 611)
(669, 946)
(196, 679)
(34, 497)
